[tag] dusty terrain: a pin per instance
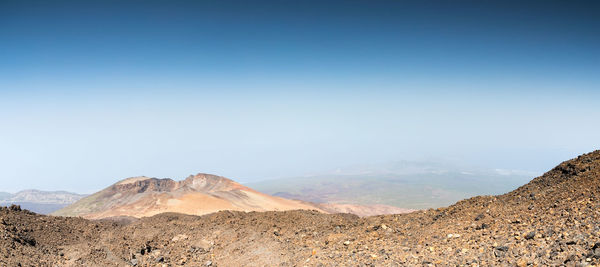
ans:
(554, 220)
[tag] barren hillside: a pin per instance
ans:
(196, 195)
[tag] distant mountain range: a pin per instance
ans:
(406, 184)
(38, 201)
(196, 195)
(367, 190)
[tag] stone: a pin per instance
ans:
(482, 226)
(179, 237)
(596, 251)
(530, 235)
(500, 251)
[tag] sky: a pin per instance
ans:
(92, 92)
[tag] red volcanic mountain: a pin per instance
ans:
(197, 195)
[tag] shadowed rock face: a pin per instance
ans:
(145, 185)
(197, 194)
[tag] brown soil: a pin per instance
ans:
(553, 220)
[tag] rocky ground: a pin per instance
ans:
(552, 221)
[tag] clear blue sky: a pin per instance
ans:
(95, 91)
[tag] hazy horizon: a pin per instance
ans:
(96, 91)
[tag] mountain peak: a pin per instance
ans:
(132, 180)
(197, 194)
(210, 182)
(206, 178)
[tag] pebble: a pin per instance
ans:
(530, 235)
